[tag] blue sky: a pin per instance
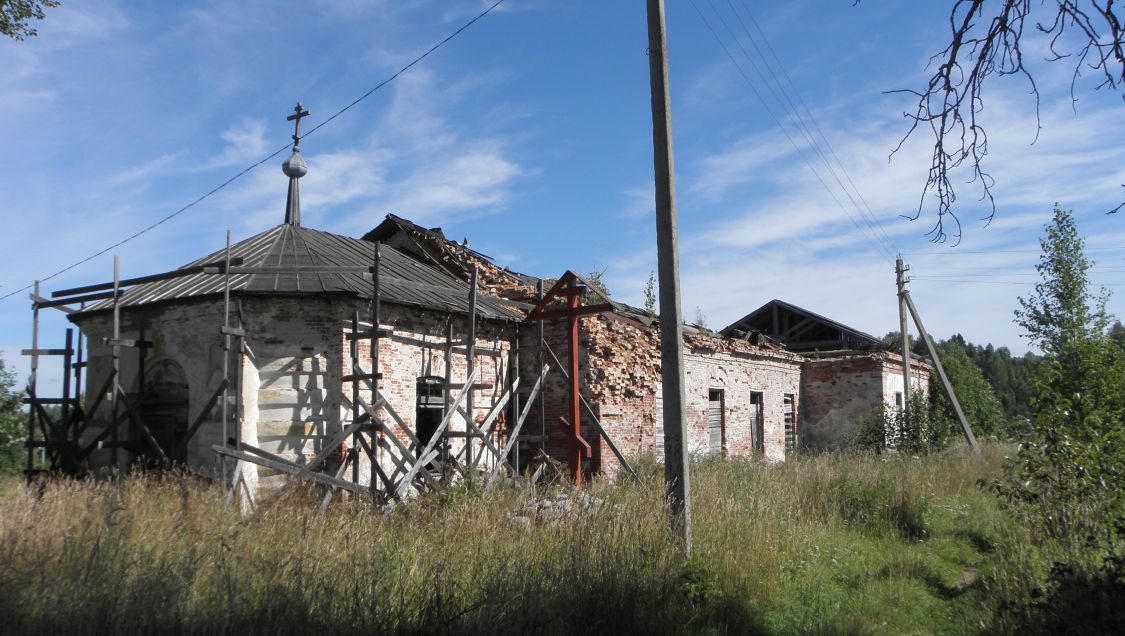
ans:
(530, 134)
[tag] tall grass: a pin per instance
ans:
(839, 543)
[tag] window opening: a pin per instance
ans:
(758, 421)
(715, 432)
(430, 411)
(789, 409)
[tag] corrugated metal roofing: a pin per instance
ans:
(402, 279)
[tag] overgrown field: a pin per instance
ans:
(836, 544)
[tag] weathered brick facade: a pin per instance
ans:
(744, 396)
(840, 391)
(620, 367)
(292, 397)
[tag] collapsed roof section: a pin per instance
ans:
(290, 260)
(801, 330)
(456, 259)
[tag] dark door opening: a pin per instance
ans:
(430, 411)
(789, 410)
(758, 425)
(164, 411)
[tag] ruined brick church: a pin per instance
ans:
(373, 361)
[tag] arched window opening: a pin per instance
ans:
(164, 410)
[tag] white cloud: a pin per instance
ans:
(245, 143)
(146, 170)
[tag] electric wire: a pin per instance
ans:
(996, 282)
(835, 167)
(816, 125)
(272, 155)
(1036, 251)
(879, 247)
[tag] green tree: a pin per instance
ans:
(16, 14)
(978, 401)
(595, 279)
(1117, 334)
(12, 423)
(1075, 457)
(650, 295)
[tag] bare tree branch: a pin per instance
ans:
(985, 41)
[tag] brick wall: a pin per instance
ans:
(620, 378)
(292, 395)
(416, 349)
(840, 391)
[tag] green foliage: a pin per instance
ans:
(976, 397)
(1074, 460)
(650, 295)
(700, 318)
(595, 279)
(16, 14)
(918, 430)
(1009, 377)
(13, 426)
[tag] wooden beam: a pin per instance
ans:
(567, 313)
(182, 445)
(75, 300)
(437, 434)
(290, 469)
(152, 278)
(43, 302)
(513, 439)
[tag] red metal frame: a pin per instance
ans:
(572, 287)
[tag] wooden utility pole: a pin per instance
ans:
(668, 267)
(900, 280)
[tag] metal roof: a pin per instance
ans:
(402, 279)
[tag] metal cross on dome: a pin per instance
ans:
(298, 113)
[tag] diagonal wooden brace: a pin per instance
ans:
(290, 469)
(513, 439)
(389, 434)
(202, 416)
(438, 434)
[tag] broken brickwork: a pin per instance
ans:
(620, 367)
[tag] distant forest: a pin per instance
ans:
(1009, 377)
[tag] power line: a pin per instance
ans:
(879, 247)
(997, 282)
(265, 159)
(1038, 251)
(1014, 269)
(865, 210)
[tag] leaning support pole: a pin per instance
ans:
(226, 359)
(116, 352)
(31, 389)
(667, 252)
(903, 329)
(969, 437)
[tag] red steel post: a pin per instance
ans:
(575, 414)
